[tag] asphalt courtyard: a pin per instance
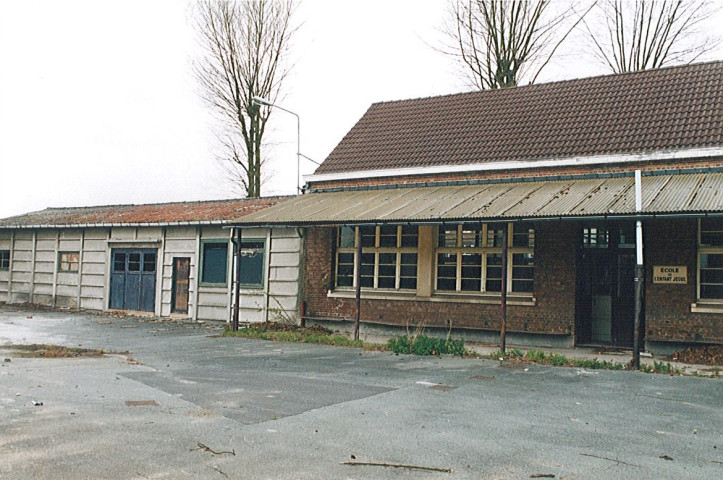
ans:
(186, 403)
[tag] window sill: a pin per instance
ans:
(706, 307)
(211, 287)
(526, 301)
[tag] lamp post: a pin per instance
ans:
(263, 101)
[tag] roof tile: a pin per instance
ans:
(664, 109)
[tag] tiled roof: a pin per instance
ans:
(665, 109)
(218, 211)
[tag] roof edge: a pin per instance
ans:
(115, 224)
(520, 165)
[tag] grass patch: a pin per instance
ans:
(294, 334)
(424, 345)
(555, 359)
(660, 367)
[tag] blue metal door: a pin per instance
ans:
(133, 279)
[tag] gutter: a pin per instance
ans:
(662, 155)
(457, 221)
(114, 224)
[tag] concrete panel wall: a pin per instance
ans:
(93, 269)
(34, 275)
(180, 242)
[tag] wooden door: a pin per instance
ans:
(181, 271)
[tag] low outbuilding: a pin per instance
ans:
(171, 260)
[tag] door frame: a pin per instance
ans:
(147, 281)
(174, 280)
(614, 255)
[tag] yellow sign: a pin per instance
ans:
(677, 274)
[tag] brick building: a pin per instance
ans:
(414, 204)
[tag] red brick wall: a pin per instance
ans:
(528, 173)
(554, 290)
(667, 307)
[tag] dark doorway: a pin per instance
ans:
(605, 294)
(133, 279)
(181, 273)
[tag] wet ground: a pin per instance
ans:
(185, 403)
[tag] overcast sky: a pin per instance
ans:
(98, 105)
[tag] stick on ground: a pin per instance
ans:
(611, 459)
(399, 465)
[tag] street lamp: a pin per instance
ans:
(263, 101)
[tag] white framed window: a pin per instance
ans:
(710, 259)
(468, 258)
(388, 258)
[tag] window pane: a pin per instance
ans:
(711, 232)
(447, 236)
(710, 260)
(408, 276)
(367, 270)
(595, 237)
(387, 270)
(215, 261)
(471, 235)
(134, 262)
(149, 262)
(119, 262)
(388, 236)
(523, 235)
(522, 272)
(345, 270)
(4, 259)
(711, 275)
(471, 272)
(626, 238)
(711, 291)
(447, 271)
(494, 234)
(368, 236)
(345, 237)
(493, 281)
(410, 236)
(69, 261)
(252, 263)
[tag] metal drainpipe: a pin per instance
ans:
(267, 279)
(639, 271)
(357, 280)
(503, 290)
(237, 286)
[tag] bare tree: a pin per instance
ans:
(637, 35)
(500, 42)
(244, 45)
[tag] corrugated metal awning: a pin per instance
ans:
(674, 194)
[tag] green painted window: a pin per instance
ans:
(214, 262)
(252, 263)
(4, 259)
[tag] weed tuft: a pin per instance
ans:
(424, 345)
(299, 335)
